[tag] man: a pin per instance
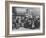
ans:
(37, 23)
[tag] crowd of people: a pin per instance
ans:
(30, 22)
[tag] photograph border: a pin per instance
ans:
(7, 19)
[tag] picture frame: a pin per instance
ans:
(7, 17)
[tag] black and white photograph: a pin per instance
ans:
(25, 18)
